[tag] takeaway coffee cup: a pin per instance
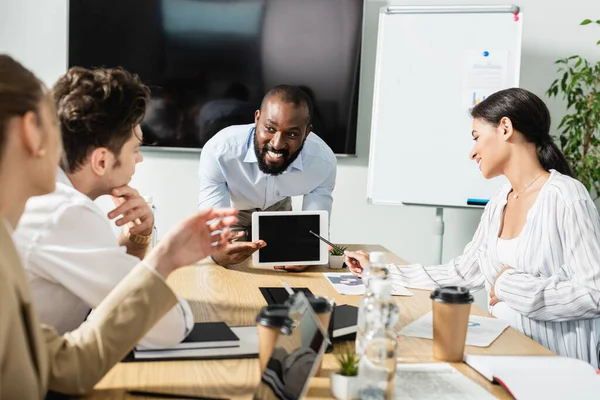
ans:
(270, 321)
(451, 308)
(323, 308)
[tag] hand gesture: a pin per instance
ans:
(356, 261)
(292, 268)
(133, 210)
(236, 252)
(203, 234)
(493, 299)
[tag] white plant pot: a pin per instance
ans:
(336, 262)
(344, 387)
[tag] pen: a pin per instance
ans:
(168, 395)
(287, 287)
(332, 245)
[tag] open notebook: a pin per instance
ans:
(539, 377)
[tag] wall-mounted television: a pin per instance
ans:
(209, 62)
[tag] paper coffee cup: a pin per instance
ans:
(270, 321)
(322, 307)
(451, 309)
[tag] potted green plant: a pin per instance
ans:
(336, 258)
(579, 85)
(344, 382)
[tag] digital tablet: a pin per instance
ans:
(288, 238)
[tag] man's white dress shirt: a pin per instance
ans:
(553, 293)
(73, 261)
(230, 177)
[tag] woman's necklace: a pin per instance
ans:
(516, 196)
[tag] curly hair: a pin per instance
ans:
(97, 108)
(20, 92)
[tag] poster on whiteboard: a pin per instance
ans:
(485, 72)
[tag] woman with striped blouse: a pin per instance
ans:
(537, 248)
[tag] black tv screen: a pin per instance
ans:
(209, 62)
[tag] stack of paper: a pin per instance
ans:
(481, 331)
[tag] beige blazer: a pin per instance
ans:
(35, 359)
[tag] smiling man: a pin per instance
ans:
(259, 167)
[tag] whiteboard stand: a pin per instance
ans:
(438, 231)
(438, 225)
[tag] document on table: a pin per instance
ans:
(434, 381)
(350, 284)
(481, 331)
(540, 377)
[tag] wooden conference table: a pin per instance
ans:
(232, 295)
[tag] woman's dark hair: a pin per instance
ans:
(20, 92)
(97, 108)
(530, 116)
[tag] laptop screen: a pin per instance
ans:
(296, 357)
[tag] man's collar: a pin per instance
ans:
(297, 164)
(61, 177)
(251, 155)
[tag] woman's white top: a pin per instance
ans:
(506, 250)
(555, 284)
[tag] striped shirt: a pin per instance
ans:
(554, 288)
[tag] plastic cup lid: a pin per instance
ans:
(274, 315)
(320, 304)
(452, 295)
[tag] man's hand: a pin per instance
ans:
(355, 260)
(493, 299)
(194, 238)
(133, 210)
(236, 252)
(293, 268)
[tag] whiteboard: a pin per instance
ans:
(432, 65)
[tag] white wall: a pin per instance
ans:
(35, 32)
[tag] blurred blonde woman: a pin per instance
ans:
(34, 358)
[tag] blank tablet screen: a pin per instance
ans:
(288, 238)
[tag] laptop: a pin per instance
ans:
(296, 357)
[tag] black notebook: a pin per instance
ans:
(246, 347)
(278, 295)
(343, 325)
(205, 335)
